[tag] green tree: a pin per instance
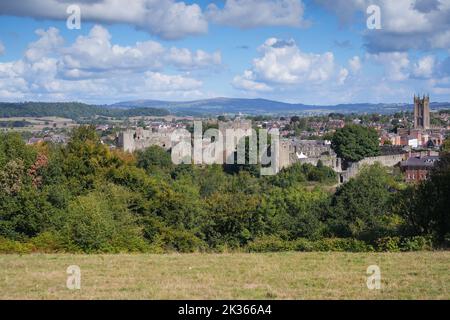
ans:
(154, 158)
(294, 212)
(361, 208)
(231, 219)
(12, 147)
(101, 221)
(426, 207)
(353, 143)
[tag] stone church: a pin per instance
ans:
(422, 112)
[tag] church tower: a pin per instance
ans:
(422, 112)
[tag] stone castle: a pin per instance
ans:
(139, 139)
(291, 151)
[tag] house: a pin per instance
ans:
(416, 169)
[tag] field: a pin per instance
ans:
(422, 275)
(40, 123)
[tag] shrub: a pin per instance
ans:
(388, 244)
(180, 241)
(342, 245)
(396, 244)
(269, 244)
(275, 244)
(11, 246)
(49, 242)
(417, 243)
(101, 222)
(303, 245)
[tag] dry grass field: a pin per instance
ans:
(422, 275)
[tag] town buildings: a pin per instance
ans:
(416, 169)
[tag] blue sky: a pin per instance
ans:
(306, 51)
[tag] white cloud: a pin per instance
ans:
(47, 44)
(92, 67)
(156, 81)
(257, 13)
(355, 64)
(424, 68)
(246, 82)
(186, 59)
(406, 24)
(343, 74)
(164, 18)
(282, 63)
(396, 64)
(95, 54)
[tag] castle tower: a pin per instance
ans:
(422, 112)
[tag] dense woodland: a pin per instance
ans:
(72, 110)
(84, 197)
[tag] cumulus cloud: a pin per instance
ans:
(283, 64)
(92, 67)
(343, 74)
(355, 64)
(257, 13)
(246, 82)
(167, 19)
(424, 68)
(406, 24)
(396, 64)
(95, 54)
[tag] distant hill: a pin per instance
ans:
(72, 110)
(212, 107)
(263, 106)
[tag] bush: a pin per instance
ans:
(269, 244)
(396, 244)
(10, 246)
(303, 245)
(388, 244)
(101, 222)
(49, 242)
(180, 241)
(342, 245)
(274, 244)
(417, 243)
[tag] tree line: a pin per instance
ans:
(84, 197)
(72, 110)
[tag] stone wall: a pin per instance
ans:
(139, 139)
(386, 161)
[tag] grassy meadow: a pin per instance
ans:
(420, 275)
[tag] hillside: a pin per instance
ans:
(263, 106)
(212, 107)
(71, 110)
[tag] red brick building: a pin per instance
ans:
(417, 169)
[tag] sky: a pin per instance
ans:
(300, 51)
